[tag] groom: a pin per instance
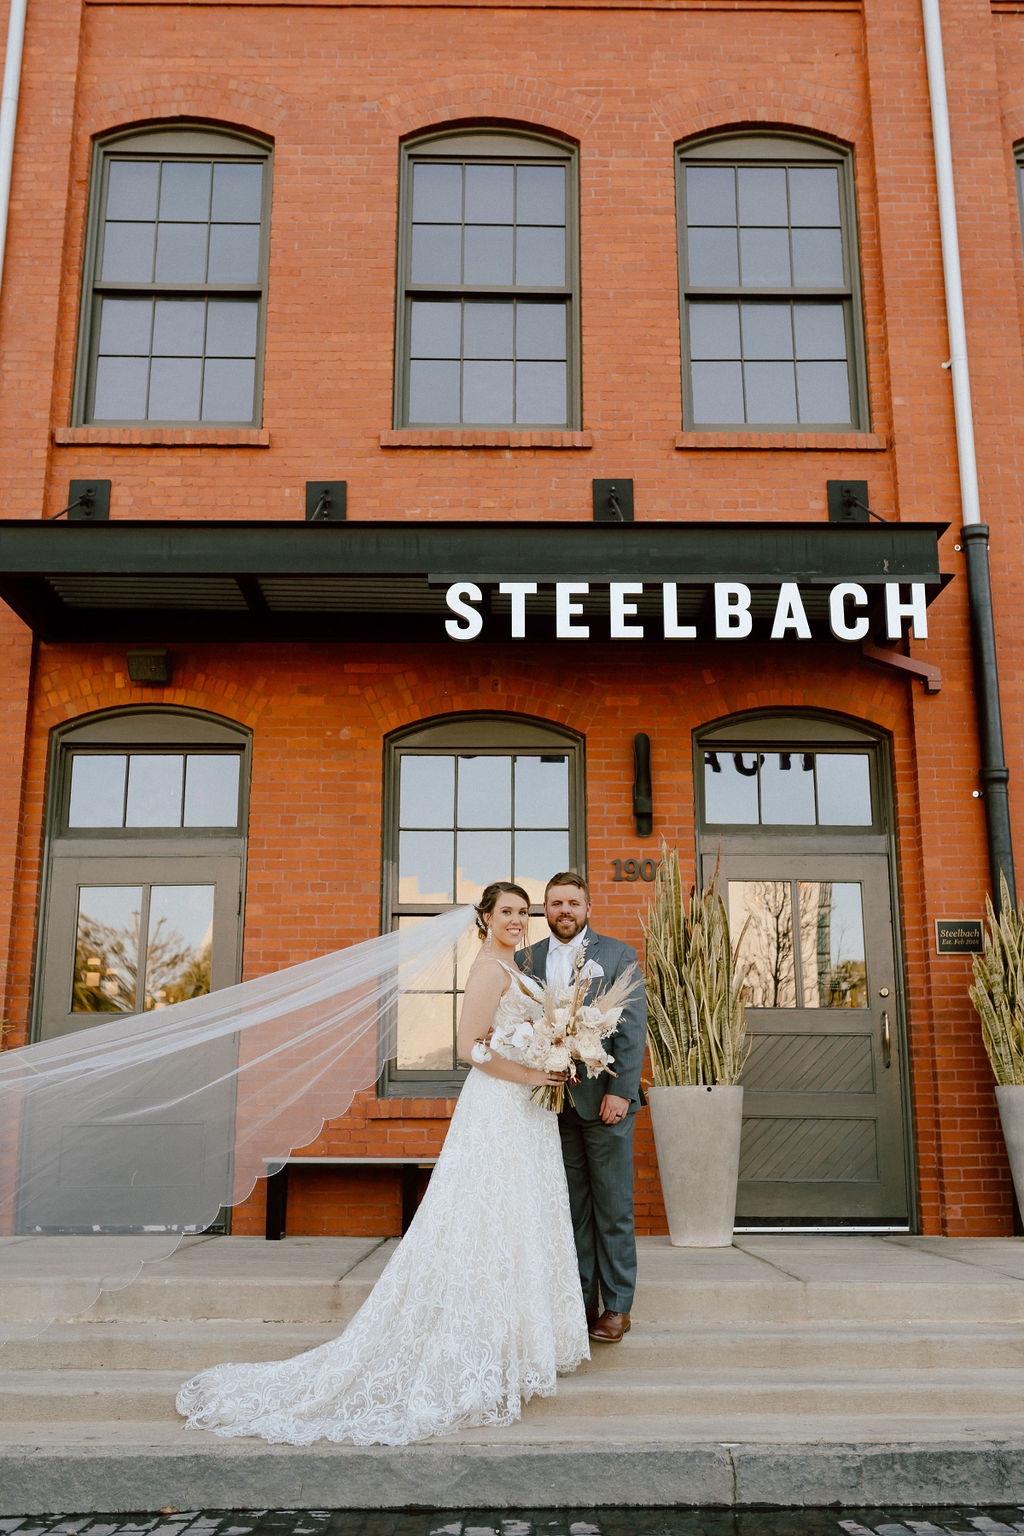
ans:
(597, 1127)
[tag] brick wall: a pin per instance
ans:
(335, 88)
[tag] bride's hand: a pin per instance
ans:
(538, 1078)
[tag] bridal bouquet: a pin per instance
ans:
(554, 1029)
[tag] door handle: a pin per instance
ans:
(886, 1041)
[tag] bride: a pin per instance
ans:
(479, 1307)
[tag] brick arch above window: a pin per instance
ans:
(530, 102)
(751, 105)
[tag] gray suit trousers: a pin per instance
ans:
(599, 1170)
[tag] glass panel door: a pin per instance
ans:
(126, 936)
(824, 1138)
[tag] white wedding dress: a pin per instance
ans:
(478, 1309)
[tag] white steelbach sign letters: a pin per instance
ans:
(732, 616)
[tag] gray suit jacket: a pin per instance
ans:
(628, 1042)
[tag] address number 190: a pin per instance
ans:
(634, 869)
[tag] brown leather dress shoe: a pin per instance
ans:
(610, 1327)
(592, 1316)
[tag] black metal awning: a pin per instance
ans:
(155, 582)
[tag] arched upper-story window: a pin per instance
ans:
(470, 799)
(175, 280)
(488, 301)
(772, 326)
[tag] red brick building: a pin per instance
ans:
(444, 396)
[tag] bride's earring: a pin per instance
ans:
(487, 940)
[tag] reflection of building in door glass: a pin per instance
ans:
(832, 945)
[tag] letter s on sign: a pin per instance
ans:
(459, 598)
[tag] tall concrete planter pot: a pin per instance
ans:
(697, 1135)
(998, 997)
(1010, 1098)
(696, 1036)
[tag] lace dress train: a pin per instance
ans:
(478, 1309)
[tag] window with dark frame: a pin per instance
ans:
(771, 318)
(139, 788)
(1019, 162)
(501, 803)
(173, 314)
(486, 318)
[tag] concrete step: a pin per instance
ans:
(800, 1369)
(759, 1280)
(116, 1436)
(666, 1394)
(175, 1298)
(753, 1462)
(175, 1346)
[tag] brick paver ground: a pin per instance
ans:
(965, 1521)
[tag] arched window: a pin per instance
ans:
(772, 327)
(471, 799)
(174, 288)
(487, 312)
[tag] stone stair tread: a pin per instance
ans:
(850, 1345)
(55, 1381)
(630, 1429)
(669, 1395)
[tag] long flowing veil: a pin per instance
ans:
(117, 1140)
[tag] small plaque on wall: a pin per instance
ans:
(958, 936)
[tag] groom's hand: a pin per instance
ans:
(613, 1109)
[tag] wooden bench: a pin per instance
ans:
(277, 1183)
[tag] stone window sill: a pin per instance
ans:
(164, 437)
(871, 442)
(483, 437)
(410, 1109)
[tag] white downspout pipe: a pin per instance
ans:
(970, 501)
(993, 773)
(9, 113)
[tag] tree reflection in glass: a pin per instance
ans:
(827, 970)
(119, 971)
(761, 912)
(107, 949)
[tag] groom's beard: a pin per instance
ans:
(567, 927)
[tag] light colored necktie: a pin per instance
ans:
(561, 966)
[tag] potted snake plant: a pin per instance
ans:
(697, 1043)
(998, 998)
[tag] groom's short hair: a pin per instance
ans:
(568, 877)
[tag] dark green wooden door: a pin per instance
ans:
(128, 936)
(824, 1134)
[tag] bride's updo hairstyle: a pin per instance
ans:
(489, 900)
